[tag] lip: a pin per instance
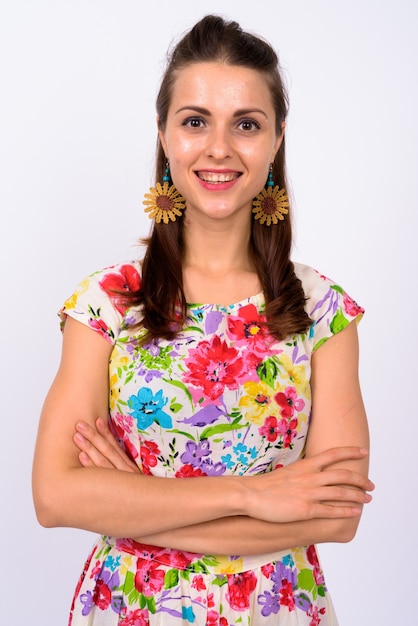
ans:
(217, 179)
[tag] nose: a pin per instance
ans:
(219, 144)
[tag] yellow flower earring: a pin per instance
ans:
(164, 202)
(271, 204)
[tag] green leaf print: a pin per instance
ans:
(182, 386)
(221, 428)
(129, 584)
(220, 580)
(151, 605)
(338, 322)
(306, 581)
(338, 289)
(267, 371)
(171, 578)
(175, 406)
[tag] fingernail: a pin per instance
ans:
(79, 438)
(82, 426)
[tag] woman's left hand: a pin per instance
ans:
(99, 448)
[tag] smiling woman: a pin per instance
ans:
(206, 419)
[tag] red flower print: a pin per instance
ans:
(314, 613)
(176, 559)
(240, 587)
(143, 550)
(249, 329)
(267, 570)
(289, 402)
(148, 453)
(121, 435)
(115, 284)
(286, 595)
(135, 618)
(287, 428)
(189, 471)
(102, 595)
(351, 307)
(213, 619)
(148, 578)
(313, 560)
(213, 365)
(198, 583)
(270, 428)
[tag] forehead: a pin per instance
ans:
(216, 82)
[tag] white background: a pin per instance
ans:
(78, 80)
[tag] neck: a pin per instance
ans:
(220, 249)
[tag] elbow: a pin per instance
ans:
(45, 511)
(48, 502)
(346, 530)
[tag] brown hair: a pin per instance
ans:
(165, 306)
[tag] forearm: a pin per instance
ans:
(116, 503)
(243, 535)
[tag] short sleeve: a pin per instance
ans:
(330, 308)
(100, 300)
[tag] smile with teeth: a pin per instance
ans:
(218, 177)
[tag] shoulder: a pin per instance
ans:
(101, 300)
(328, 305)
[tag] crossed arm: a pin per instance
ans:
(81, 477)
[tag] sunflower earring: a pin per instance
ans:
(164, 202)
(271, 204)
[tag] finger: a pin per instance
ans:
(341, 494)
(105, 450)
(90, 456)
(335, 455)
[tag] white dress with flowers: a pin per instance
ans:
(223, 398)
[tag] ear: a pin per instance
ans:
(161, 136)
(278, 141)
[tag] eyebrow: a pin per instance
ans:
(238, 113)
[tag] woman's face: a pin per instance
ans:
(220, 138)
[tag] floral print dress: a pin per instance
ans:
(223, 398)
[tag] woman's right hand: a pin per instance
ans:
(309, 489)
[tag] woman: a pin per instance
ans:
(222, 364)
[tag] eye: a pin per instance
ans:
(248, 125)
(193, 122)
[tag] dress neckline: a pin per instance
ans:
(255, 299)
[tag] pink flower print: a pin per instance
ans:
(270, 428)
(289, 402)
(213, 365)
(96, 569)
(351, 307)
(101, 327)
(287, 428)
(240, 587)
(148, 578)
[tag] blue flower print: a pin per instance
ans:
(148, 408)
